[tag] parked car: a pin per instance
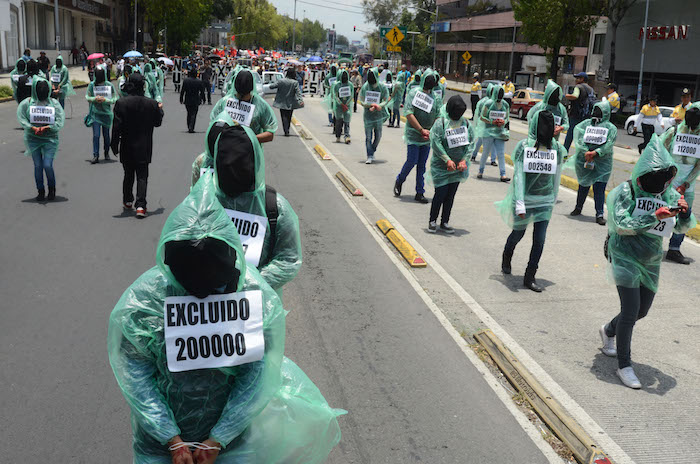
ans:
(666, 118)
(270, 77)
(486, 83)
(524, 100)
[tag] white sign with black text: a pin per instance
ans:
(646, 206)
(540, 161)
(423, 101)
(344, 91)
(687, 145)
(55, 78)
(251, 230)
(44, 115)
(497, 115)
(372, 97)
(103, 91)
(595, 135)
(240, 111)
(457, 137)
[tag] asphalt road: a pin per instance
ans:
(356, 326)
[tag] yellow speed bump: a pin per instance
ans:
(356, 192)
(407, 251)
(295, 121)
(585, 450)
(322, 153)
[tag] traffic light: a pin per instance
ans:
(353, 28)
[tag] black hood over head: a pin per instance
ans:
(500, 94)
(692, 117)
(21, 66)
(388, 78)
(291, 73)
(429, 82)
(456, 107)
(597, 115)
(235, 161)
(203, 266)
(59, 63)
(334, 71)
(656, 182)
(134, 86)
(371, 78)
(99, 75)
(545, 129)
(554, 98)
(344, 78)
(243, 82)
(32, 68)
(42, 90)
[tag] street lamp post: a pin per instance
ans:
(136, 6)
(641, 65)
(294, 27)
(434, 28)
(57, 32)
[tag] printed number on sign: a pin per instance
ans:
(457, 137)
(240, 111)
(372, 97)
(557, 120)
(687, 145)
(55, 78)
(103, 91)
(493, 115)
(344, 92)
(595, 135)
(213, 332)
(423, 102)
(646, 206)
(44, 115)
(540, 161)
(251, 229)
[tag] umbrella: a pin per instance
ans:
(294, 62)
(95, 56)
(166, 61)
(316, 59)
(303, 59)
(132, 54)
(267, 58)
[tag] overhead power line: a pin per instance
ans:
(331, 7)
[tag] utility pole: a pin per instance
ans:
(294, 28)
(303, 31)
(512, 51)
(641, 65)
(58, 33)
(136, 27)
(435, 34)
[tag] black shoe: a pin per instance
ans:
(95, 160)
(397, 189)
(575, 212)
(505, 262)
(106, 154)
(600, 220)
(480, 176)
(41, 195)
(52, 194)
(530, 282)
(420, 198)
(493, 163)
(473, 159)
(677, 257)
(505, 179)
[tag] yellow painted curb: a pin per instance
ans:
(322, 153)
(295, 121)
(356, 192)
(455, 89)
(694, 233)
(581, 444)
(407, 251)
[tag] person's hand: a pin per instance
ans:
(521, 216)
(462, 166)
(376, 107)
(206, 456)
(590, 155)
(678, 120)
(681, 189)
(451, 166)
(99, 99)
(425, 133)
(302, 104)
(344, 107)
(36, 130)
(180, 455)
(160, 105)
(664, 213)
(557, 130)
(683, 204)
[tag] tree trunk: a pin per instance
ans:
(554, 66)
(613, 43)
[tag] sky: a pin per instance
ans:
(343, 13)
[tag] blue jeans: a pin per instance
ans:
(598, 197)
(676, 239)
(570, 133)
(416, 155)
(372, 145)
(490, 145)
(62, 101)
(330, 118)
(96, 138)
(43, 162)
(539, 234)
(477, 144)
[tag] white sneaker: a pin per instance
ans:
(369, 161)
(447, 229)
(609, 347)
(629, 378)
(432, 227)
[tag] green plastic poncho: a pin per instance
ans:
(337, 101)
(59, 76)
(536, 192)
(15, 74)
(688, 166)
(416, 80)
(425, 119)
(438, 174)
(603, 162)
(254, 410)
(48, 141)
(328, 82)
(263, 119)
(102, 113)
(229, 78)
(280, 261)
(152, 90)
(634, 252)
(491, 105)
(159, 75)
(558, 110)
(205, 161)
(397, 90)
(478, 123)
(374, 118)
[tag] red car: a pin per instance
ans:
(524, 100)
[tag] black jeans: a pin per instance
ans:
(647, 131)
(634, 305)
(598, 197)
(444, 197)
(208, 84)
(286, 116)
(357, 93)
(191, 116)
(475, 100)
(539, 234)
(140, 171)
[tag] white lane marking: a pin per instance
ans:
(529, 428)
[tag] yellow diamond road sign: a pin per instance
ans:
(466, 56)
(395, 36)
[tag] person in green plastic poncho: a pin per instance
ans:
(101, 95)
(247, 107)
(60, 81)
(478, 125)
(128, 69)
(495, 114)
(422, 108)
(451, 138)
(396, 99)
(274, 245)
(551, 101)
(415, 80)
(537, 163)
(688, 169)
(328, 83)
(42, 118)
(341, 103)
(15, 74)
(158, 74)
(188, 382)
(374, 97)
(152, 88)
(593, 159)
(641, 212)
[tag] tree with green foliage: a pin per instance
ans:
(260, 25)
(181, 28)
(222, 9)
(553, 24)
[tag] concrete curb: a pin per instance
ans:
(352, 188)
(79, 86)
(295, 121)
(322, 152)
(407, 251)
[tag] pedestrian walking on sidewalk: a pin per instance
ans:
(537, 163)
(641, 212)
(452, 139)
(374, 97)
(192, 95)
(582, 100)
(688, 171)
(495, 114)
(288, 98)
(646, 118)
(42, 119)
(135, 117)
(341, 99)
(101, 95)
(593, 159)
(475, 94)
(422, 108)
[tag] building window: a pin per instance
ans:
(598, 44)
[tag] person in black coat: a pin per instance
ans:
(192, 94)
(135, 116)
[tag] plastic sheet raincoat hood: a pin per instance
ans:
(477, 122)
(410, 135)
(337, 101)
(64, 80)
(375, 118)
(492, 104)
(557, 110)
(48, 139)
(688, 166)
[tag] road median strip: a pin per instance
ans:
(407, 251)
(583, 447)
(352, 188)
(322, 152)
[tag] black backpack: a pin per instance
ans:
(272, 213)
(586, 108)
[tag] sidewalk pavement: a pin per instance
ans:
(558, 328)
(76, 73)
